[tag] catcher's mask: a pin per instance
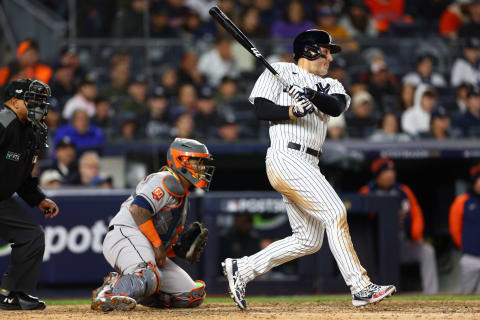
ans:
(178, 156)
(35, 93)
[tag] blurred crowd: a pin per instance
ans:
(412, 69)
(199, 88)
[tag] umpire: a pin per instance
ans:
(22, 136)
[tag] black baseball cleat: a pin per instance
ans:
(20, 301)
(236, 285)
(372, 294)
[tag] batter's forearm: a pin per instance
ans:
(333, 105)
(269, 111)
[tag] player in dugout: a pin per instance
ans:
(412, 246)
(464, 221)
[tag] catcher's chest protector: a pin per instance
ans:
(167, 222)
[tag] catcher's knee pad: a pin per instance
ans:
(144, 282)
(191, 299)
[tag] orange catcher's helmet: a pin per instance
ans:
(180, 151)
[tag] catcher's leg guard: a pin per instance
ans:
(104, 300)
(143, 282)
(190, 299)
(119, 292)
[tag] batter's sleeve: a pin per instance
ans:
(337, 88)
(267, 86)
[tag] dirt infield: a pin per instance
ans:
(397, 309)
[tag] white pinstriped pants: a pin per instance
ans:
(313, 206)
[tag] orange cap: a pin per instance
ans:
(22, 47)
(475, 172)
(381, 164)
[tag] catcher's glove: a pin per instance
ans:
(191, 242)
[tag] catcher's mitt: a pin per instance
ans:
(191, 242)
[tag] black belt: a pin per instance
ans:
(313, 152)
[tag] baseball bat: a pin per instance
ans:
(228, 25)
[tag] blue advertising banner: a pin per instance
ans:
(73, 239)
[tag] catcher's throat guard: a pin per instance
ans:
(178, 155)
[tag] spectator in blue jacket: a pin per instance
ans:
(84, 135)
(468, 123)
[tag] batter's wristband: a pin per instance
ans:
(149, 231)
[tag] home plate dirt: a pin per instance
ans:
(397, 309)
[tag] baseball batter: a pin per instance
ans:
(298, 119)
(148, 230)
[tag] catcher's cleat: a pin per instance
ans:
(236, 285)
(107, 285)
(110, 302)
(104, 300)
(372, 294)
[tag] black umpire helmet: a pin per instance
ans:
(35, 93)
(307, 44)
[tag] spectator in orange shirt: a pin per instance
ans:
(464, 224)
(412, 247)
(387, 11)
(27, 62)
(454, 17)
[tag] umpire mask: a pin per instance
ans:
(35, 93)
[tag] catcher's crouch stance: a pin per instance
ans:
(149, 228)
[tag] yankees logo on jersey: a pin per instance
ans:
(310, 130)
(323, 89)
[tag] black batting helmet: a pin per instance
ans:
(307, 44)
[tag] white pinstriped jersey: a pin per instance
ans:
(313, 206)
(309, 131)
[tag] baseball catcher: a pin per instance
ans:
(149, 229)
